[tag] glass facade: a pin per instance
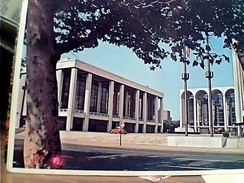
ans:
(65, 88)
(80, 91)
(116, 102)
(203, 110)
(191, 110)
(131, 105)
(104, 99)
(150, 108)
(231, 108)
(218, 109)
(93, 97)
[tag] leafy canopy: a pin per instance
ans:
(144, 25)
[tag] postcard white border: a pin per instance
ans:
(16, 82)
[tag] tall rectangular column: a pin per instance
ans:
(110, 106)
(144, 112)
(198, 113)
(126, 103)
(226, 114)
(87, 102)
(161, 115)
(137, 110)
(195, 114)
(156, 114)
(59, 76)
(121, 101)
(181, 112)
(71, 102)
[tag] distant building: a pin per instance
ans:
(92, 99)
(224, 113)
(166, 115)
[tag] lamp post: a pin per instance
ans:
(185, 77)
(122, 125)
(209, 76)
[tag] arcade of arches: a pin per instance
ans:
(223, 105)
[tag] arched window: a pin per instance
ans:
(202, 108)
(230, 102)
(218, 108)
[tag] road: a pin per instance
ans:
(96, 158)
(119, 159)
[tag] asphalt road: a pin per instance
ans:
(118, 159)
(96, 158)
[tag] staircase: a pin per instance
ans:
(107, 138)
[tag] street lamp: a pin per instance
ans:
(185, 77)
(209, 76)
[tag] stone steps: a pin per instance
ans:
(94, 137)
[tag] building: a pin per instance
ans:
(92, 99)
(238, 72)
(228, 103)
(166, 115)
(223, 104)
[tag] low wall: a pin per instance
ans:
(196, 141)
(235, 142)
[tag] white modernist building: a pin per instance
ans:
(223, 104)
(92, 99)
(238, 71)
(227, 103)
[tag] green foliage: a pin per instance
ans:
(169, 126)
(143, 25)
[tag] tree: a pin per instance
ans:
(58, 26)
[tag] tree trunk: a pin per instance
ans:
(42, 147)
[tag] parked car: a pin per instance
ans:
(118, 130)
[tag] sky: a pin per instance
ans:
(123, 62)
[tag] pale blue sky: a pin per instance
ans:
(123, 62)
